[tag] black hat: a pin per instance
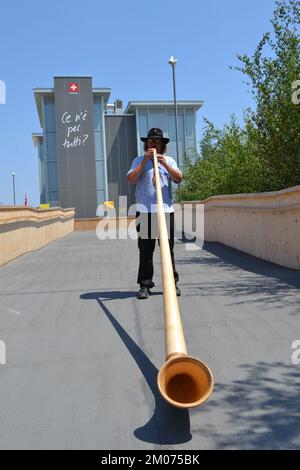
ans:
(155, 133)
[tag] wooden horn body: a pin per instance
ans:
(183, 381)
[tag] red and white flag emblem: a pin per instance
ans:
(73, 87)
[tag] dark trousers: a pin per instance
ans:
(147, 229)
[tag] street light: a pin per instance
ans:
(14, 188)
(172, 61)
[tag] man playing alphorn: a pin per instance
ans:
(141, 173)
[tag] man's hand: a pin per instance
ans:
(148, 155)
(162, 160)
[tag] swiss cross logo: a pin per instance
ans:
(73, 87)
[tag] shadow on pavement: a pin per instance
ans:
(114, 295)
(238, 274)
(232, 258)
(262, 410)
(168, 425)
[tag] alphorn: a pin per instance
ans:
(183, 380)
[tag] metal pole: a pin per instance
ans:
(175, 108)
(14, 188)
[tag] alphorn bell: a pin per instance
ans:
(183, 381)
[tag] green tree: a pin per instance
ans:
(276, 118)
(227, 164)
(264, 154)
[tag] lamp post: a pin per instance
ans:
(14, 188)
(172, 61)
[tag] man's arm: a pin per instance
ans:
(175, 173)
(134, 175)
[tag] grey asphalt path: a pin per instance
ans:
(83, 353)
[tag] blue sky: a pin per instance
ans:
(124, 45)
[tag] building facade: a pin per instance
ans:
(87, 144)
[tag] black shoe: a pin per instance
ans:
(143, 293)
(178, 291)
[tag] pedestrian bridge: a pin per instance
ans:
(266, 225)
(82, 354)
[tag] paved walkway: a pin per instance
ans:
(83, 353)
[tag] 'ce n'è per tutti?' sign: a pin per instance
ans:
(74, 129)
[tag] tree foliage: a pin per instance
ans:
(264, 153)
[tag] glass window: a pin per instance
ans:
(100, 197)
(49, 114)
(52, 176)
(99, 174)
(180, 120)
(97, 113)
(53, 197)
(171, 151)
(172, 136)
(98, 145)
(41, 151)
(51, 146)
(143, 130)
(143, 124)
(158, 118)
(171, 126)
(189, 126)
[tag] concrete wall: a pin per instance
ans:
(266, 225)
(111, 223)
(26, 229)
